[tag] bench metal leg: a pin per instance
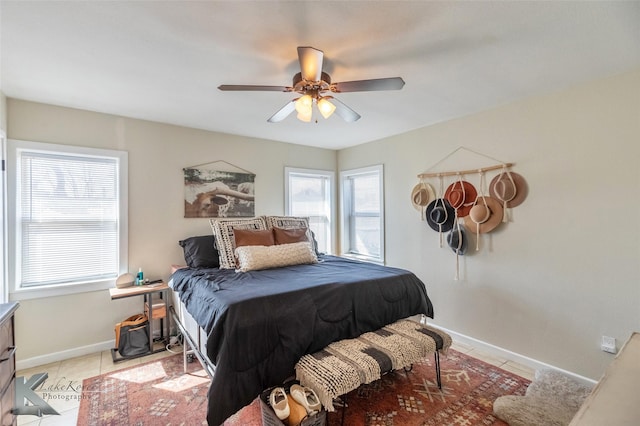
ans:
(437, 359)
(436, 356)
(339, 401)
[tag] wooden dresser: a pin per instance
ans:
(7, 364)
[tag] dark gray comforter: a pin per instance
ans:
(260, 323)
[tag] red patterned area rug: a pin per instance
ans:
(154, 393)
(159, 393)
(469, 387)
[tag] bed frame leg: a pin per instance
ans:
(194, 350)
(184, 355)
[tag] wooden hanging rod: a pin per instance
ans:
(466, 172)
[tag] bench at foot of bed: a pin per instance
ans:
(345, 365)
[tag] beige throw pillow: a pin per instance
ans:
(252, 258)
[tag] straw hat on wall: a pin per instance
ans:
(421, 195)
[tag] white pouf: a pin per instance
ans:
(552, 399)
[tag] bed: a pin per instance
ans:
(256, 325)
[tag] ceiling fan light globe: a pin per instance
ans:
(303, 104)
(326, 107)
(305, 116)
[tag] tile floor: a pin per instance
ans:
(511, 366)
(61, 390)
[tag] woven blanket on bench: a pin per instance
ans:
(344, 365)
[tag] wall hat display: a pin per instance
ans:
(485, 215)
(462, 206)
(440, 215)
(457, 239)
(421, 195)
(510, 188)
(461, 195)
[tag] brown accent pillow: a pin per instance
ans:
(288, 236)
(252, 237)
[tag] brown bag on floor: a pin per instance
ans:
(132, 335)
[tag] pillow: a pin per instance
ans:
(315, 242)
(286, 222)
(252, 258)
(290, 222)
(251, 237)
(288, 236)
(223, 233)
(199, 252)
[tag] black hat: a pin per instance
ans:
(440, 215)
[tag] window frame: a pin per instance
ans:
(14, 150)
(346, 203)
(330, 176)
(4, 296)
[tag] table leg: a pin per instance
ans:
(148, 298)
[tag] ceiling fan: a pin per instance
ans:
(315, 86)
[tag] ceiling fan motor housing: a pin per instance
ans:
(311, 87)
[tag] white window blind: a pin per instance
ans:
(67, 217)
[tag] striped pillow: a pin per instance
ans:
(225, 240)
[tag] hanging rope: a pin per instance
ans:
(500, 189)
(218, 161)
(446, 215)
(458, 248)
(501, 164)
(487, 212)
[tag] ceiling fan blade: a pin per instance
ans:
(283, 112)
(344, 111)
(310, 63)
(248, 87)
(391, 83)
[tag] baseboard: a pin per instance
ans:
(511, 356)
(75, 352)
(457, 337)
(63, 355)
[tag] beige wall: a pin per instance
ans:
(547, 285)
(566, 270)
(3, 112)
(157, 155)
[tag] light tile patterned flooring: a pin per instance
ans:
(62, 388)
(65, 380)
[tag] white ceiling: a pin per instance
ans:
(163, 61)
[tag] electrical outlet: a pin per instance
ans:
(609, 344)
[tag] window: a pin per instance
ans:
(68, 225)
(309, 193)
(363, 213)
